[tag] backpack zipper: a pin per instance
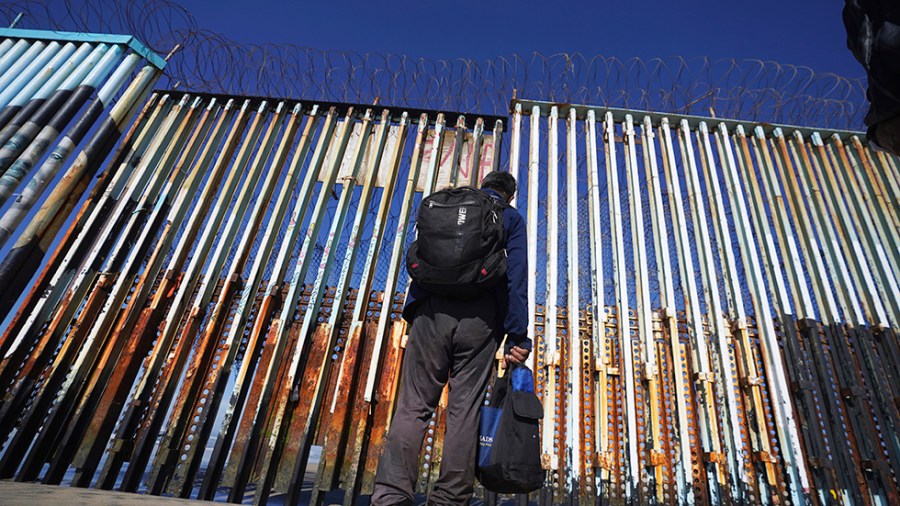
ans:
(432, 203)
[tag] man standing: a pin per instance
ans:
(455, 340)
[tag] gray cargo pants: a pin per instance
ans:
(448, 339)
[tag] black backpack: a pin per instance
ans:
(459, 252)
(509, 441)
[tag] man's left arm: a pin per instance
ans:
(516, 322)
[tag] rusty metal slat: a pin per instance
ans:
(884, 275)
(614, 461)
(754, 378)
(890, 178)
(701, 377)
(729, 406)
(833, 415)
(331, 329)
(475, 153)
(327, 461)
(746, 367)
(231, 444)
(540, 378)
(359, 426)
(146, 323)
(205, 366)
(153, 174)
(668, 432)
(29, 423)
(456, 155)
(274, 293)
(190, 438)
(389, 380)
(632, 345)
(127, 359)
(336, 354)
(587, 401)
(644, 351)
(682, 465)
(281, 398)
(171, 352)
(791, 451)
(93, 325)
(877, 199)
(344, 409)
(567, 489)
(183, 291)
(301, 420)
(550, 456)
(785, 324)
(594, 368)
(47, 294)
(632, 440)
(133, 288)
(683, 357)
(575, 411)
(771, 423)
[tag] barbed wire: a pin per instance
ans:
(753, 90)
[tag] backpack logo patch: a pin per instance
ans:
(461, 217)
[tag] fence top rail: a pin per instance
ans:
(126, 40)
(396, 112)
(694, 121)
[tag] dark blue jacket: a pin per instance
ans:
(512, 298)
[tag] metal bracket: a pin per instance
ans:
(751, 381)
(714, 457)
(763, 456)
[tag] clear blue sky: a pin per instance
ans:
(799, 32)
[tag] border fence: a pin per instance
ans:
(715, 303)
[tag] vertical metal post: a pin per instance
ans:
(715, 311)
(623, 324)
(791, 451)
(885, 278)
(650, 373)
(551, 357)
(475, 153)
(242, 384)
(533, 175)
(683, 467)
(576, 412)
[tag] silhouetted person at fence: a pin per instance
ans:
(455, 339)
(873, 35)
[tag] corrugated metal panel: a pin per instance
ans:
(57, 92)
